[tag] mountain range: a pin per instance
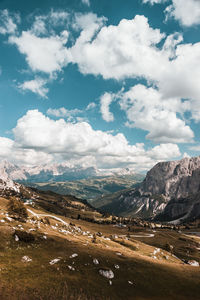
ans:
(170, 191)
(55, 172)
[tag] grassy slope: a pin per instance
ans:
(93, 188)
(152, 278)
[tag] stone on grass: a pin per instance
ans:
(106, 273)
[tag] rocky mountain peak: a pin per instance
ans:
(174, 178)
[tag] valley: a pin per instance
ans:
(91, 188)
(66, 247)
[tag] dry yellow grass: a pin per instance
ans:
(143, 273)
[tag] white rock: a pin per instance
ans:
(73, 255)
(193, 263)
(71, 268)
(95, 261)
(16, 238)
(130, 282)
(157, 250)
(116, 266)
(26, 259)
(107, 273)
(54, 261)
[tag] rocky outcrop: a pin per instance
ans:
(7, 184)
(174, 179)
(169, 192)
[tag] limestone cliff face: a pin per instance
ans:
(169, 192)
(175, 179)
(179, 183)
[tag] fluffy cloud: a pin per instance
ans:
(45, 54)
(9, 150)
(36, 86)
(43, 24)
(131, 49)
(72, 115)
(91, 105)
(105, 101)
(39, 139)
(181, 78)
(6, 146)
(126, 50)
(8, 22)
(187, 13)
(147, 109)
(164, 151)
(63, 112)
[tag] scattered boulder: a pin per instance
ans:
(16, 238)
(193, 263)
(116, 266)
(26, 259)
(106, 273)
(54, 261)
(95, 261)
(73, 255)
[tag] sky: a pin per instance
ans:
(105, 84)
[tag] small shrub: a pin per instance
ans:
(94, 239)
(17, 210)
(46, 221)
(24, 236)
(168, 247)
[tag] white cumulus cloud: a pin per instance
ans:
(147, 109)
(187, 12)
(126, 50)
(105, 101)
(8, 22)
(39, 139)
(36, 86)
(45, 54)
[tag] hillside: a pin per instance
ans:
(169, 192)
(90, 188)
(52, 256)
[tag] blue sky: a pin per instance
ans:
(99, 83)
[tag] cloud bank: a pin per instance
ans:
(39, 139)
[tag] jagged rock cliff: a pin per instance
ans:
(169, 192)
(174, 179)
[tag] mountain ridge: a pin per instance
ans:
(55, 172)
(169, 192)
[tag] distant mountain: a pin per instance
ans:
(45, 173)
(6, 183)
(55, 172)
(169, 192)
